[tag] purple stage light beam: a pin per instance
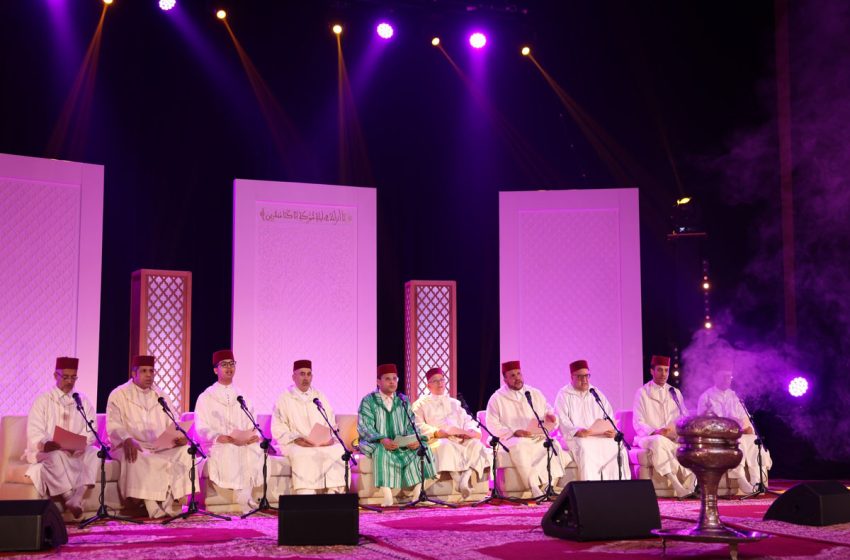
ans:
(477, 40)
(385, 30)
(798, 387)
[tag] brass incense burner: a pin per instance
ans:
(708, 445)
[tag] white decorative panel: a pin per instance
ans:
(430, 325)
(570, 278)
(304, 287)
(50, 248)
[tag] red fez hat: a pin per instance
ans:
(577, 365)
(508, 366)
(221, 355)
(139, 361)
(67, 363)
(432, 372)
(298, 364)
(660, 361)
(387, 368)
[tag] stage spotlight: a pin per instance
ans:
(798, 386)
(708, 324)
(166, 5)
(435, 41)
(477, 40)
(107, 2)
(221, 14)
(337, 29)
(385, 30)
(705, 285)
(525, 51)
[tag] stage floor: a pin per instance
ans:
(489, 532)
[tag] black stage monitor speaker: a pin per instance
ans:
(595, 510)
(321, 519)
(30, 525)
(812, 503)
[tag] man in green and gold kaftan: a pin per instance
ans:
(382, 418)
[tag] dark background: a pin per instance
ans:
(174, 121)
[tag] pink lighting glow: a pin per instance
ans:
(477, 40)
(798, 386)
(385, 30)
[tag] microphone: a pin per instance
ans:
(77, 400)
(163, 404)
(595, 395)
(528, 398)
(463, 404)
(318, 403)
(240, 400)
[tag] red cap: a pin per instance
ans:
(387, 368)
(660, 361)
(221, 355)
(67, 363)
(432, 372)
(508, 366)
(298, 364)
(577, 365)
(139, 361)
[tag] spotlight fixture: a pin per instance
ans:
(166, 5)
(477, 40)
(337, 29)
(798, 386)
(221, 14)
(435, 41)
(107, 2)
(385, 30)
(525, 51)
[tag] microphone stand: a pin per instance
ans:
(103, 455)
(495, 443)
(263, 505)
(549, 444)
(760, 488)
(422, 452)
(192, 506)
(347, 456)
(618, 436)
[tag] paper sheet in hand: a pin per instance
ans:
(319, 434)
(68, 440)
(241, 436)
(404, 441)
(534, 428)
(167, 437)
(454, 431)
(599, 427)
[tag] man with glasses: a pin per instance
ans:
(235, 460)
(156, 474)
(454, 437)
(54, 470)
(588, 436)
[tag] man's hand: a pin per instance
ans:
(225, 439)
(131, 450)
(464, 436)
(550, 418)
(749, 430)
(413, 444)
(253, 439)
(180, 440)
(661, 431)
(582, 432)
(440, 434)
(522, 433)
(50, 445)
(609, 433)
(389, 444)
(303, 443)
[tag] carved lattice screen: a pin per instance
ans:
(430, 324)
(161, 326)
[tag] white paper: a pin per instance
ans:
(599, 427)
(404, 441)
(167, 437)
(68, 441)
(241, 436)
(455, 431)
(319, 435)
(534, 428)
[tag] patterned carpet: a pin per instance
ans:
(491, 532)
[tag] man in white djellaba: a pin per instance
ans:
(234, 457)
(56, 471)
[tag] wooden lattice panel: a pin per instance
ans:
(161, 326)
(430, 324)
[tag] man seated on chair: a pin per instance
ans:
(158, 475)
(454, 438)
(382, 418)
(510, 417)
(303, 435)
(657, 406)
(234, 457)
(54, 470)
(589, 437)
(721, 400)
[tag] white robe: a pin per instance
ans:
(132, 412)
(714, 402)
(595, 456)
(654, 408)
(507, 412)
(218, 413)
(295, 414)
(58, 472)
(438, 412)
